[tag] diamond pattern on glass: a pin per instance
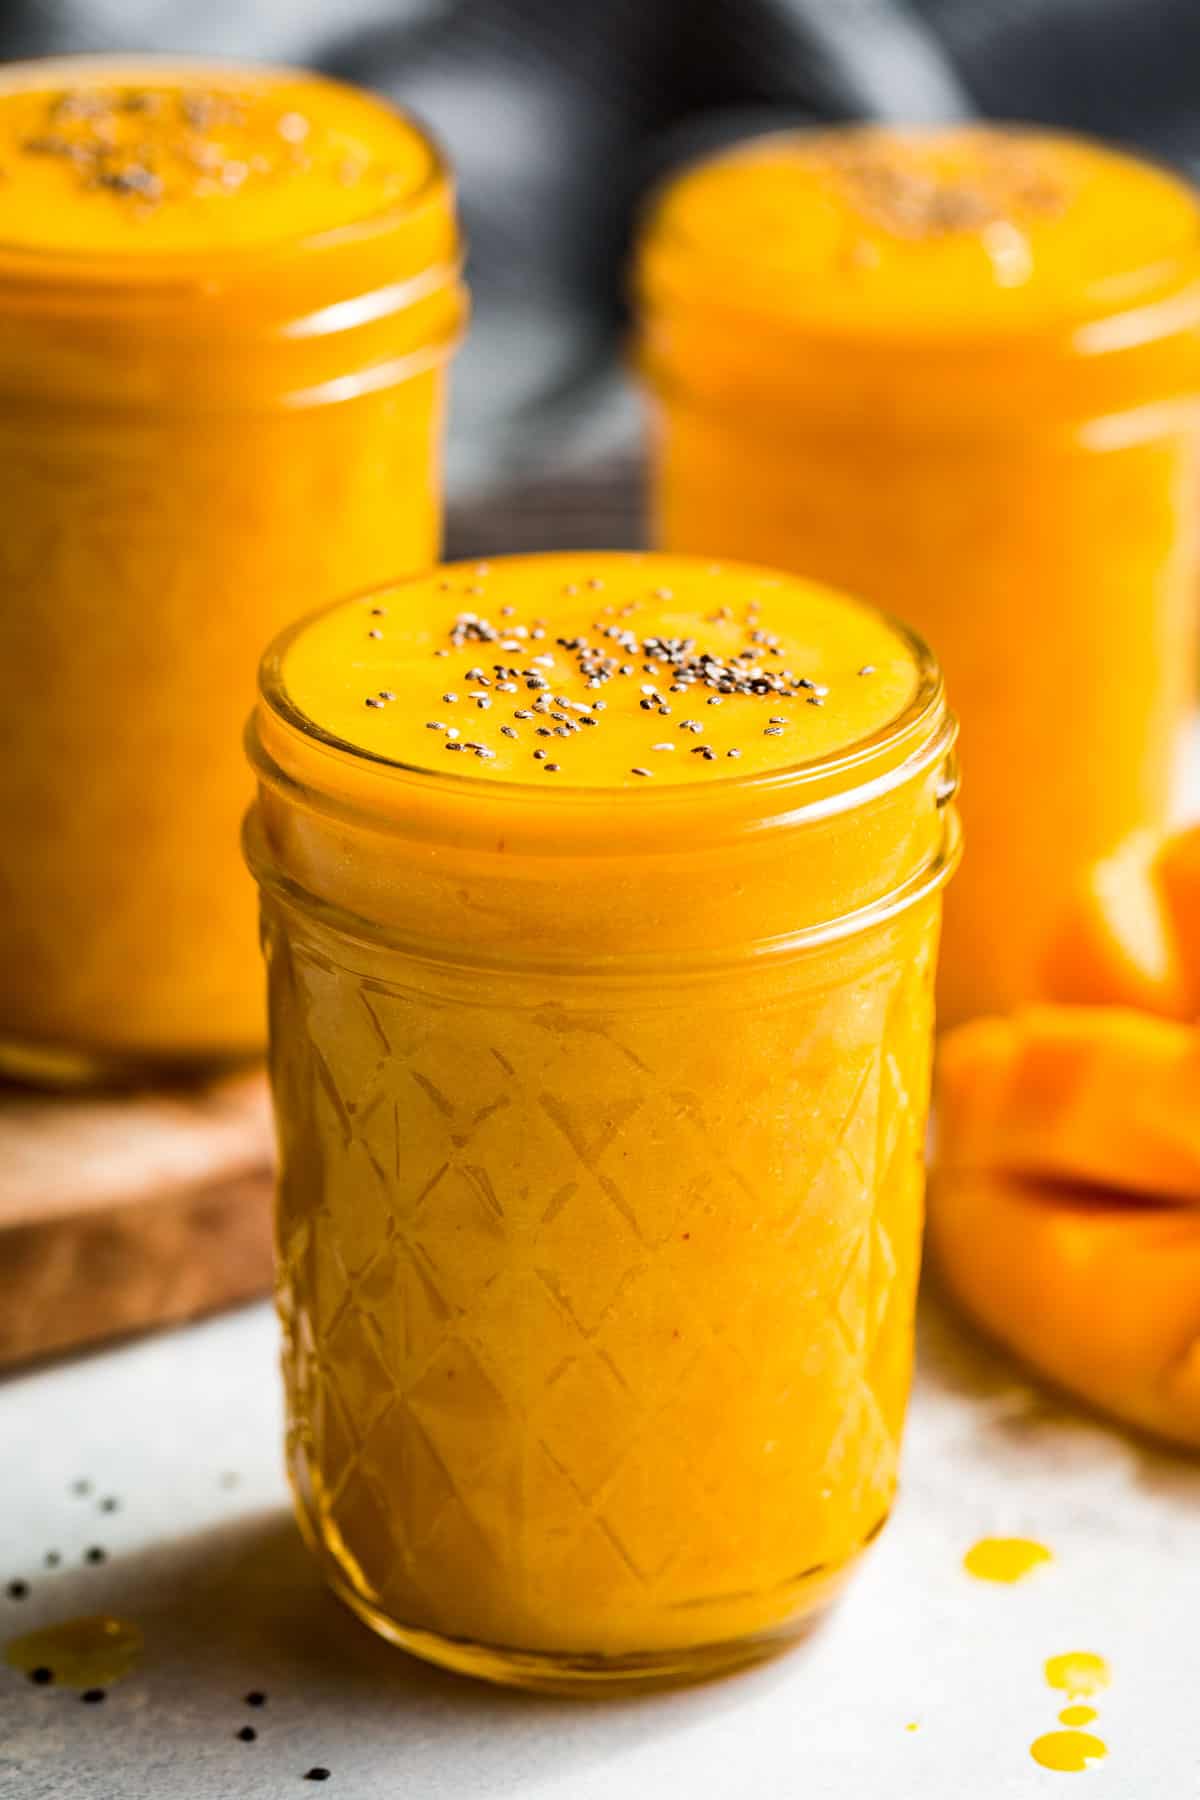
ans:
(609, 1304)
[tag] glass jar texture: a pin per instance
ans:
(601, 1131)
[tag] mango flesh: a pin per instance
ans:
(1065, 1213)
(1101, 1295)
(1131, 933)
(1100, 1096)
(1117, 944)
(1177, 880)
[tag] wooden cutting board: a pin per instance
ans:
(122, 1212)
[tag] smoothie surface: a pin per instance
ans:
(103, 157)
(601, 671)
(952, 228)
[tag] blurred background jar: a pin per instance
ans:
(227, 300)
(957, 372)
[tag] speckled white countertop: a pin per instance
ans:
(183, 1431)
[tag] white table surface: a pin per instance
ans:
(184, 1429)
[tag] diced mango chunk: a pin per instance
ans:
(973, 1075)
(1101, 1295)
(1120, 944)
(1100, 1096)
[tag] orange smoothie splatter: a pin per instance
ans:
(1005, 1559)
(1077, 1715)
(84, 1653)
(1079, 1673)
(1067, 1751)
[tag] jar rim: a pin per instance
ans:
(918, 735)
(166, 270)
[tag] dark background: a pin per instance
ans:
(560, 113)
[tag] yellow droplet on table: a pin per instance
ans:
(1004, 1559)
(80, 1653)
(1067, 1751)
(1079, 1673)
(1077, 1715)
(913, 1726)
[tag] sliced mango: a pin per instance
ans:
(1100, 1295)
(1099, 1096)
(1119, 944)
(1177, 879)
(1065, 1210)
(973, 1077)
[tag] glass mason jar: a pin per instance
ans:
(601, 1117)
(227, 299)
(957, 373)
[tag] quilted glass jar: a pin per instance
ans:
(227, 300)
(601, 1108)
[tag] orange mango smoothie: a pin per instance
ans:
(227, 298)
(600, 904)
(957, 371)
